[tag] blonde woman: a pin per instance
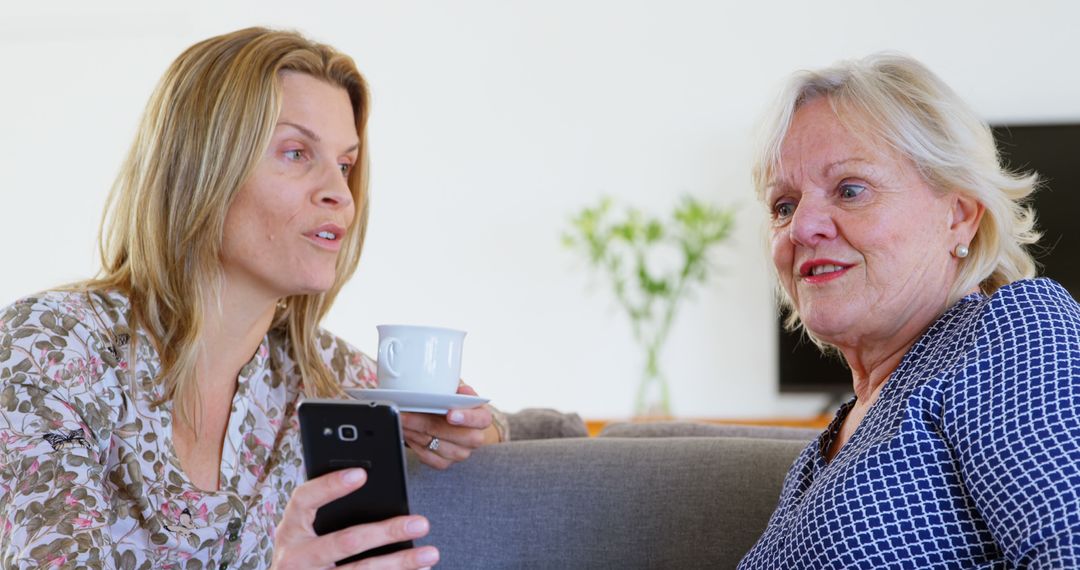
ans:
(899, 239)
(148, 416)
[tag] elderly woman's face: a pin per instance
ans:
(288, 221)
(860, 242)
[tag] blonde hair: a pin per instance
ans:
(206, 126)
(895, 100)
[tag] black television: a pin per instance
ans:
(1049, 149)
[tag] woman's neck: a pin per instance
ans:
(873, 360)
(870, 368)
(231, 333)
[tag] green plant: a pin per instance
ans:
(652, 264)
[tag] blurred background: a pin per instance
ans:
(495, 121)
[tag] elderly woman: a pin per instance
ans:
(148, 416)
(899, 240)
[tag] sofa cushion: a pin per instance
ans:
(603, 502)
(694, 429)
(544, 423)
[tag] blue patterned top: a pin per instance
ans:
(969, 458)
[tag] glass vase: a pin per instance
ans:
(653, 398)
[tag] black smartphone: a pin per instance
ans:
(341, 434)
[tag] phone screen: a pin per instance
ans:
(341, 434)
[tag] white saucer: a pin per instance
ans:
(422, 402)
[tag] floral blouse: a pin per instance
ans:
(89, 477)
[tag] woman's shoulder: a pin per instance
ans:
(61, 338)
(1017, 327)
(1036, 308)
(1042, 290)
(1028, 327)
(57, 313)
(354, 368)
(71, 306)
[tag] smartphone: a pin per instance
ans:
(341, 434)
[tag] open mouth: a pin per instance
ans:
(820, 270)
(327, 236)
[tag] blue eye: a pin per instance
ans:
(296, 154)
(849, 191)
(346, 168)
(783, 210)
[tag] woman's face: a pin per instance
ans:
(288, 221)
(860, 241)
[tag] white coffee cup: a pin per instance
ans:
(419, 359)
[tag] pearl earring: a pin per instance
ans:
(282, 304)
(961, 251)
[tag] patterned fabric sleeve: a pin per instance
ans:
(354, 368)
(1014, 421)
(358, 370)
(54, 440)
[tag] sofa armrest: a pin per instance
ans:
(543, 423)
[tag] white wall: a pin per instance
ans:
(493, 121)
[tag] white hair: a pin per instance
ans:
(895, 100)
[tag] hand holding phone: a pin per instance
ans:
(343, 435)
(297, 546)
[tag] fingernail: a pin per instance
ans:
(417, 527)
(427, 556)
(456, 417)
(352, 476)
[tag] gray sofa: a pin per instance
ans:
(665, 495)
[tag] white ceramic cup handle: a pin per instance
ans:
(388, 347)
